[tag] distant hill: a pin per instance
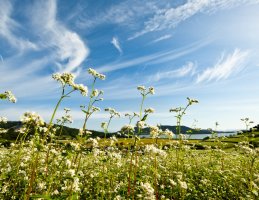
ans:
(184, 130)
(67, 132)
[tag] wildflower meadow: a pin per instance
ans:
(38, 164)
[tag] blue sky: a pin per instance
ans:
(203, 49)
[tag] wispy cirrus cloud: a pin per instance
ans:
(116, 43)
(164, 37)
(170, 17)
(225, 67)
(9, 26)
(56, 45)
(187, 69)
(155, 58)
(71, 50)
(126, 13)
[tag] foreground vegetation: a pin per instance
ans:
(50, 171)
(38, 164)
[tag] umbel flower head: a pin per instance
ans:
(68, 79)
(64, 78)
(95, 74)
(149, 110)
(32, 118)
(96, 93)
(192, 101)
(127, 129)
(155, 131)
(83, 89)
(144, 91)
(112, 112)
(8, 95)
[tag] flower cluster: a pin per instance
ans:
(84, 132)
(155, 131)
(127, 129)
(154, 150)
(96, 109)
(144, 91)
(192, 101)
(8, 95)
(148, 191)
(32, 118)
(112, 112)
(68, 79)
(131, 116)
(3, 120)
(168, 133)
(95, 74)
(96, 93)
(149, 110)
(64, 78)
(141, 124)
(80, 87)
(67, 119)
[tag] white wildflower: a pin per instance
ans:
(8, 95)
(80, 87)
(141, 88)
(183, 185)
(192, 101)
(154, 150)
(154, 131)
(168, 133)
(151, 90)
(148, 190)
(141, 124)
(127, 129)
(95, 74)
(149, 110)
(3, 120)
(32, 118)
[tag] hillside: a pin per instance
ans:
(184, 130)
(68, 133)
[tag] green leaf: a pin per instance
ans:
(85, 111)
(144, 118)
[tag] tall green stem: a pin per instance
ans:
(106, 130)
(141, 106)
(55, 110)
(90, 104)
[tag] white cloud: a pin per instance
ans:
(154, 58)
(20, 76)
(126, 13)
(164, 37)
(71, 50)
(225, 67)
(8, 26)
(171, 17)
(187, 69)
(116, 43)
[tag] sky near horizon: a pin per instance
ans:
(202, 49)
